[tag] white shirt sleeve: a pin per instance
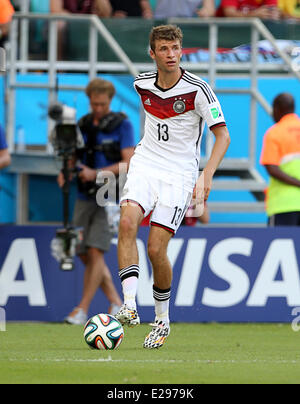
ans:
(209, 108)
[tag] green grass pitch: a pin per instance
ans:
(194, 353)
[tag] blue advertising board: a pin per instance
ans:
(220, 274)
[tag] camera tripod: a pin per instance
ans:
(67, 234)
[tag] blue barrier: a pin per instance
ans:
(220, 274)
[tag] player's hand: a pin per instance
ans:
(203, 187)
(87, 174)
(200, 194)
(207, 184)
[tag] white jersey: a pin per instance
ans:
(175, 120)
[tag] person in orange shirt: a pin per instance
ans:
(6, 14)
(281, 158)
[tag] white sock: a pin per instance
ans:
(129, 286)
(162, 303)
(129, 279)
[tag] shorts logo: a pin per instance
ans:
(215, 112)
(179, 106)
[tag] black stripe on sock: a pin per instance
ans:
(132, 270)
(161, 294)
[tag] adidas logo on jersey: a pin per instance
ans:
(147, 102)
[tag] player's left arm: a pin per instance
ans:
(204, 183)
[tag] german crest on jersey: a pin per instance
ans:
(179, 106)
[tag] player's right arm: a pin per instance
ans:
(222, 142)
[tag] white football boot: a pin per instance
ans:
(113, 309)
(157, 337)
(127, 316)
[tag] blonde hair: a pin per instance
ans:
(100, 86)
(166, 32)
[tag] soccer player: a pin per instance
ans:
(163, 172)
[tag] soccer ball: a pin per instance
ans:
(103, 331)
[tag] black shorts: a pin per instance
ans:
(285, 219)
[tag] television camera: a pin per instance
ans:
(65, 138)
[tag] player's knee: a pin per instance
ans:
(154, 251)
(127, 226)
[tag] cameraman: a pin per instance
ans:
(109, 140)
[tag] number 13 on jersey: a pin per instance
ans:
(163, 132)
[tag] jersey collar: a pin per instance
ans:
(167, 89)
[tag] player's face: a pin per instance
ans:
(100, 105)
(167, 55)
